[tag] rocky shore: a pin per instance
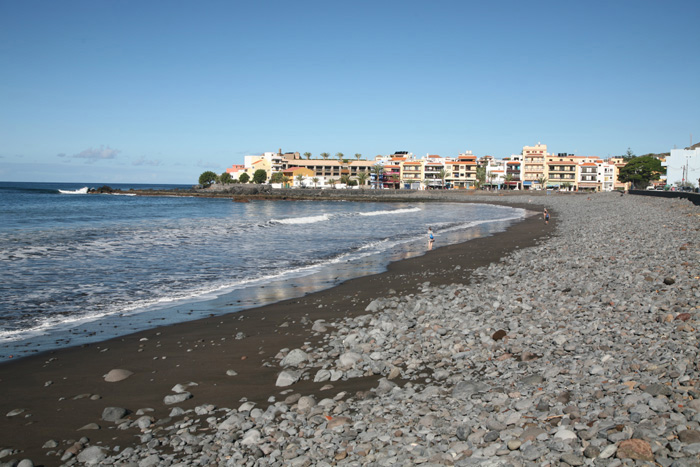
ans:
(580, 350)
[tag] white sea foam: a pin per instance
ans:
(302, 220)
(396, 211)
(80, 191)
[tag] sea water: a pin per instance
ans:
(80, 268)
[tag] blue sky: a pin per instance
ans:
(160, 91)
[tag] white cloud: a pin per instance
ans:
(143, 161)
(94, 155)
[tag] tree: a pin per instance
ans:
(244, 178)
(640, 171)
(629, 155)
(394, 181)
(207, 178)
(362, 178)
(358, 156)
(491, 176)
(307, 155)
(443, 175)
(325, 155)
(480, 176)
(300, 179)
(277, 177)
(315, 181)
(259, 176)
(508, 178)
(332, 182)
(377, 170)
(339, 156)
(542, 180)
(345, 178)
(225, 178)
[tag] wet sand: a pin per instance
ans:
(64, 390)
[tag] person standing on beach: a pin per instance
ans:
(546, 216)
(431, 238)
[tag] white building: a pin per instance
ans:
(683, 166)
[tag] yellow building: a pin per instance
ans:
(534, 167)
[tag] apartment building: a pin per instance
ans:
(534, 167)
(523, 171)
(562, 170)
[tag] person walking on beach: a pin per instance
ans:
(546, 216)
(431, 238)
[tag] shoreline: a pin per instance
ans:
(282, 284)
(48, 386)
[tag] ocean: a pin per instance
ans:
(80, 268)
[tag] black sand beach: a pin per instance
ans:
(60, 392)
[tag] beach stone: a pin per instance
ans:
(337, 422)
(295, 358)
(231, 373)
(113, 414)
(466, 389)
(532, 380)
(657, 389)
(689, 436)
(14, 413)
(591, 452)
(182, 388)
(322, 375)
(305, 404)
(92, 455)
(287, 378)
(116, 375)
(233, 422)
(514, 444)
(635, 449)
(176, 398)
(572, 459)
(251, 437)
(89, 426)
(150, 461)
(25, 463)
(565, 435)
(349, 359)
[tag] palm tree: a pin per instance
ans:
(345, 178)
(325, 155)
(542, 181)
(362, 178)
(315, 181)
(492, 177)
(332, 182)
(508, 178)
(285, 181)
(307, 155)
(358, 156)
(443, 175)
(377, 170)
(300, 179)
(394, 181)
(339, 155)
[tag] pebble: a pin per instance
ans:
(560, 353)
(117, 375)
